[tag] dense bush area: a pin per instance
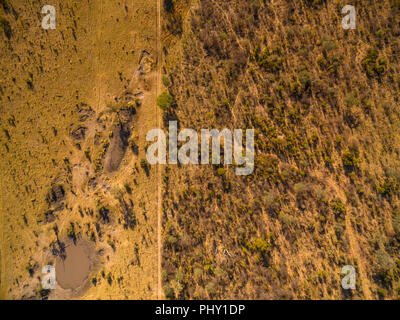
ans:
(326, 185)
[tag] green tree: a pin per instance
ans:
(165, 101)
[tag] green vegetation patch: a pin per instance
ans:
(372, 64)
(165, 101)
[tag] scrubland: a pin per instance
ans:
(324, 103)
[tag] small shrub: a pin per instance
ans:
(287, 219)
(385, 261)
(305, 78)
(166, 81)
(270, 201)
(352, 100)
(389, 187)
(381, 293)
(109, 278)
(92, 236)
(169, 6)
(372, 65)
(103, 213)
(259, 245)
(300, 189)
(339, 230)
(30, 267)
(117, 192)
(145, 166)
(71, 231)
(320, 195)
(165, 101)
(128, 187)
(338, 142)
(329, 45)
(169, 292)
(171, 240)
(223, 36)
(210, 287)
(5, 27)
(221, 171)
(350, 160)
(179, 276)
(270, 62)
(43, 293)
(198, 273)
(338, 207)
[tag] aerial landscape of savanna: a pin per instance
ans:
(200, 150)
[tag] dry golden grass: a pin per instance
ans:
(73, 78)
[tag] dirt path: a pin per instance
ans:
(159, 195)
(355, 250)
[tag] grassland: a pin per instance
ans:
(75, 104)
